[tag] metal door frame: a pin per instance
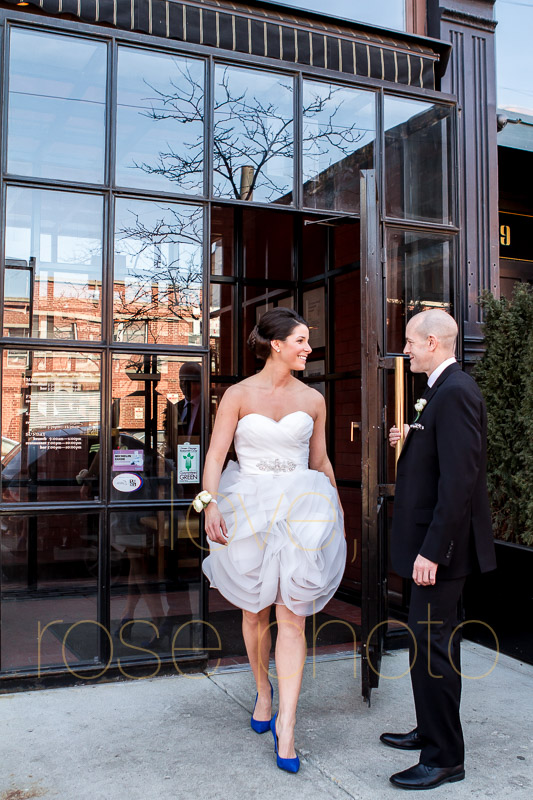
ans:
(373, 527)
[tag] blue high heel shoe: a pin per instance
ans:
(288, 764)
(259, 725)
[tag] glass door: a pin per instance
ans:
(409, 246)
(262, 259)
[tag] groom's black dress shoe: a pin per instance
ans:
(424, 777)
(403, 741)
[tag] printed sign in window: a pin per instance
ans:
(128, 460)
(188, 463)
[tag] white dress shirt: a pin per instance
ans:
(439, 370)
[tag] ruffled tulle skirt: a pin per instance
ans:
(285, 540)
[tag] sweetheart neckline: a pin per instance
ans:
(276, 421)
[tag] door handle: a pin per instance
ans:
(399, 404)
(353, 427)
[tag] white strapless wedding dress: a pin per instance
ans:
(285, 526)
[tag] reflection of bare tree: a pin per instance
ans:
(250, 133)
(164, 274)
(330, 135)
(253, 143)
(183, 102)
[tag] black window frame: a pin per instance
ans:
(11, 18)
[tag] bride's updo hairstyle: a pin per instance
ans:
(278, 323)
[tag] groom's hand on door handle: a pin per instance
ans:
(394, 435)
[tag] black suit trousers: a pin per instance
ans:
(436, 683)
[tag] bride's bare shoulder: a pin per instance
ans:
(248, 383)
(313, 400)
(247, 387)
(237, 394)
(232, 397)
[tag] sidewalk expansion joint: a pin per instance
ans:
(304, 755)
(328, 777)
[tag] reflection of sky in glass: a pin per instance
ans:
(253, 128)
(58, 237)
(417, 159)
(157, 246)
(54, 228)
(17, 283)
(160, 121)
(514, 55)
(398, 111)
(337, 122)
(154, 237)
(57, 91)
(384, 13)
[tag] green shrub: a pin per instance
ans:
(505, 376)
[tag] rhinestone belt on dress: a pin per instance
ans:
(276, 465)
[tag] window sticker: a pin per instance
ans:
(126, 460)
(188, 463)
(127, 482)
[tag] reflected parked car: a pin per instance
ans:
(59, 465)
(45, 468)
(7, 446)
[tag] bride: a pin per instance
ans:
(275, 523)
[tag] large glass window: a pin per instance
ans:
(160, 118)
(53, 264)
(51, 417)
(157, 408)
(49, 591)
(158, 272)
(419, 276)
(418, 154)
(253, 137)
(104, 296)
(57, 88)
(339, 128)
(155, 604)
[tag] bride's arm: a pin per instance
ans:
(318, 456)
(221, 438)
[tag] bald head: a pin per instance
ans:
(436, 322)
(430, 339)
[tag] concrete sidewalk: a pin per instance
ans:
(189, 738)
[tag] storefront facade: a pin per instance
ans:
(170, 171)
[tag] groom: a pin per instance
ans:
(441, 531)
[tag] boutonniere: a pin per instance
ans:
(419, 407)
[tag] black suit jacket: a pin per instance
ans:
(441, 506)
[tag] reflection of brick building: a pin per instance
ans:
(155, 316)
(132, 394)
(54, 389)
(63, 310)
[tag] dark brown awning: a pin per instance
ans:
(292, 38)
